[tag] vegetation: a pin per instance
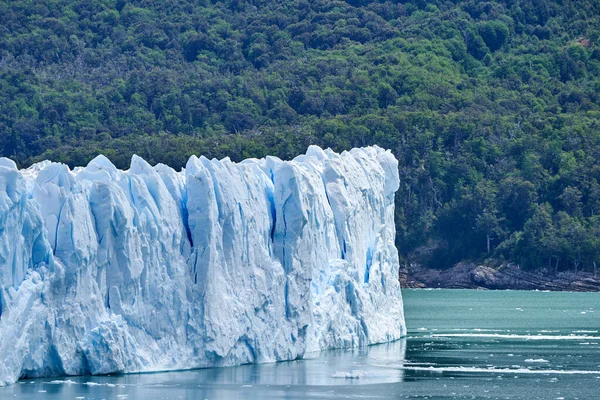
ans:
(492, 107)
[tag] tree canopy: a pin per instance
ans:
(491, 107)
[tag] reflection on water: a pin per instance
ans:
(317, 370)
(460, 345)
(315, 374)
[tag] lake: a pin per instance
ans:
(461, 344)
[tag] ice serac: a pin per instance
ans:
(223, 263)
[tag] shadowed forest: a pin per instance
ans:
(491, 107)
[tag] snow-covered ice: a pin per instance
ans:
(223, 263)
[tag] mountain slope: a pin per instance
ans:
(492, 107)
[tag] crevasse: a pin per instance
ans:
(223, 263)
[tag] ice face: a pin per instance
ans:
(223, 263)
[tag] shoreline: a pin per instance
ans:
(467, 275)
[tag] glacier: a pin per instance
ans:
(149, 269)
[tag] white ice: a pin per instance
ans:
(223, 263)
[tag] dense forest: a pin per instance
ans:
(492, 107)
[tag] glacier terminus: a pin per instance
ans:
(223, 263)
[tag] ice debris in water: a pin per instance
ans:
(354, 374)
(223, 263)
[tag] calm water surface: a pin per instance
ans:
(461, 344)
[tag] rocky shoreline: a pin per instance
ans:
(507, 276)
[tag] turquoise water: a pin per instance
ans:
(461, 344)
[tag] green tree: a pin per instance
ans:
(494, 34)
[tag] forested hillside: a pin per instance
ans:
(492, 108)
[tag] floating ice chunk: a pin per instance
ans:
(354, 374)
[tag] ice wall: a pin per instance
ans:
(103, 270)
